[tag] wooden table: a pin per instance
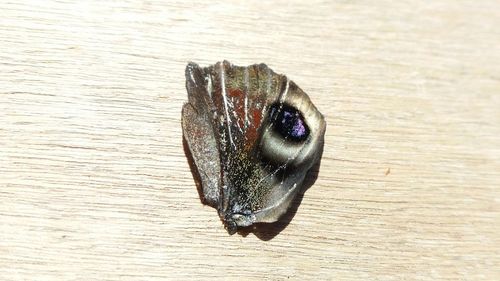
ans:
(95, 184)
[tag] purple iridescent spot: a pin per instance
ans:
(299, 129)
(290, 123)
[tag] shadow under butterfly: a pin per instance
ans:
(253, 136)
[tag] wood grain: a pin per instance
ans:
(95, 184)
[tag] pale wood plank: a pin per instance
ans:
(95, 184)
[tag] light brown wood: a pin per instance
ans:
(94, 180)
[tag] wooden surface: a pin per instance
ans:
(94, 181)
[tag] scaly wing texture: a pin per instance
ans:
(236, 111)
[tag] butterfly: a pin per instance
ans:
(253, 134)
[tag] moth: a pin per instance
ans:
(253, 134)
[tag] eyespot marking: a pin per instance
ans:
(289, 122)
